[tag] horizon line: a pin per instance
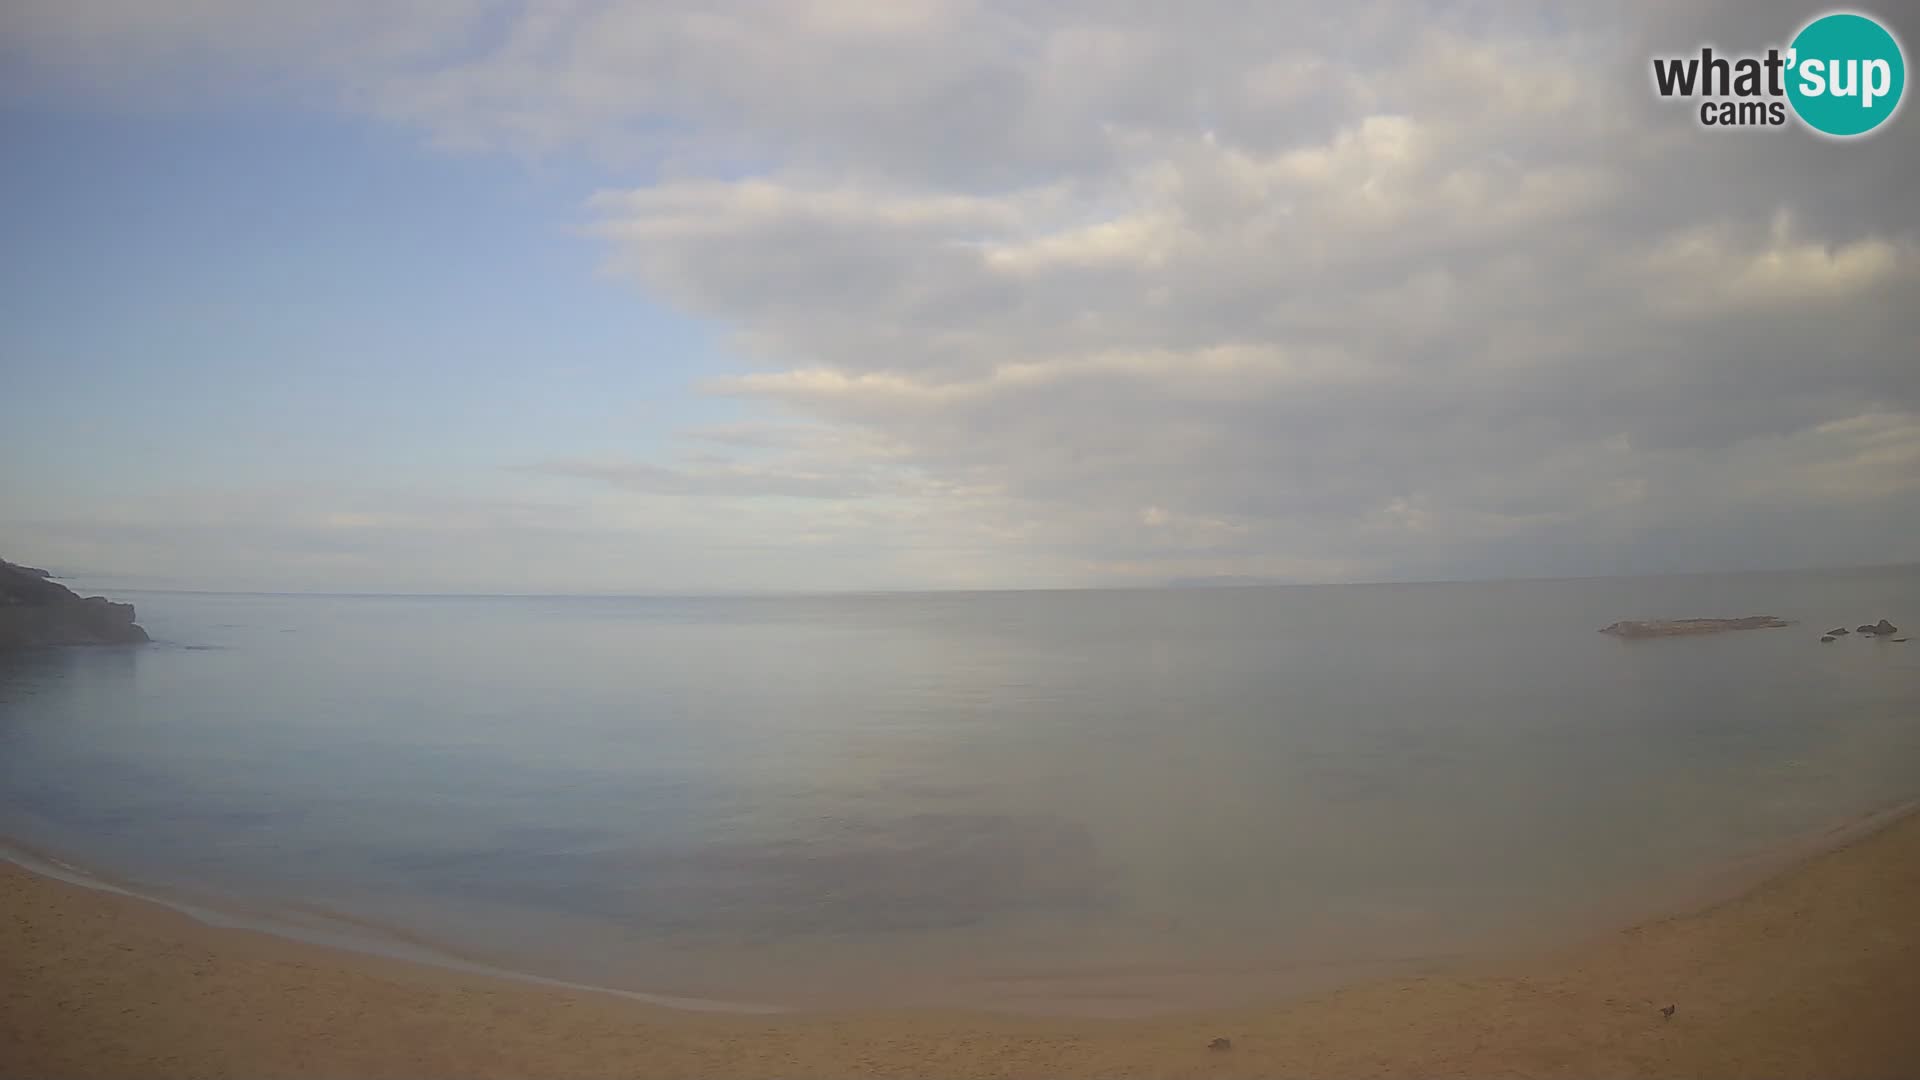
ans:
(1222, 583)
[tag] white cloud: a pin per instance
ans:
(1083, 291)
(1722, 268)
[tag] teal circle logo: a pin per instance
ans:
(1846, 74)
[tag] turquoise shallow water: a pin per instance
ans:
(1125, 800)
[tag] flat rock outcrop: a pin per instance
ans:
(1651, 628)
(35, 611)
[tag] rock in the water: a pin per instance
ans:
(1646, 628)
(1828, 638)
(35, 611)
(1885, 628)
(1839, 631)
(1220, 1044)
(1898, 640)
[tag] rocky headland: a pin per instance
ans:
(36, 610)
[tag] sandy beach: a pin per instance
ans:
(1814, 973)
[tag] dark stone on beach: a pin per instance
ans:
(1839, 631)
(1827, 638)
(1220, 1044)
(1898, 640)
(35, 611)
(1883, 628)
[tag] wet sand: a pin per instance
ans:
(1815, 973)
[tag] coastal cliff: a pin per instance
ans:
(35, 611)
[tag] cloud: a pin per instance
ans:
(1494, 315)
(722, 478)
(1086, 291)
(195, 52)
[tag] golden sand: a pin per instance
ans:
(1815, 973)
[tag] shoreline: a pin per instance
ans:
(1812, 972)
(362, 940)
(303, 923)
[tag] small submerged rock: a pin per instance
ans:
(1220, 1044)
(1828, 638)
(1839, 631)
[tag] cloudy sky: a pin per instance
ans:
(443, 295)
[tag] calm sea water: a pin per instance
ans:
(1109, 800)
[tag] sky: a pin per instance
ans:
(570, 296)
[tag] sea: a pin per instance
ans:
(1110, 802)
